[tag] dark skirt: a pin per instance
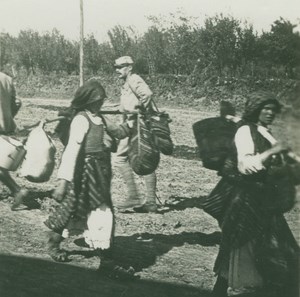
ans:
(92, 181)
(242, 216)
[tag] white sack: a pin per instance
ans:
(39, 161)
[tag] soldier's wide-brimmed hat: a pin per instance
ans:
(123, 62)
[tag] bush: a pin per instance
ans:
(169, 90)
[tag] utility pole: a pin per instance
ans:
(0, 51)
(81, 44)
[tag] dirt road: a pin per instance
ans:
(173, 251)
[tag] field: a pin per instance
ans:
(172, 251)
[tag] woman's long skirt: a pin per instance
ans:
(257, 247)
(91, 201)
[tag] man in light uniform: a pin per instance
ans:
(134, 93)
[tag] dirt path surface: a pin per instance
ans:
(172, 251)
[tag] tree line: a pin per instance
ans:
(221, 47)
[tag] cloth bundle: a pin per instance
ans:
(143, 154)
(159, 125)
(39, 161)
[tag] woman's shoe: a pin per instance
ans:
(54, 250)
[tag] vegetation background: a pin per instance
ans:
(185, 63)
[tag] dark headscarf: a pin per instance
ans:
(255, 103)
(90, 92)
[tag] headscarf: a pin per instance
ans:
(255, 102)
(88, 93)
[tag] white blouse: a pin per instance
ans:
(248, 161)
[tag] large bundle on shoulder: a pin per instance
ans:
(214, 136)
(143, 153)
(39, 161)
(158, 122)
(151, 135)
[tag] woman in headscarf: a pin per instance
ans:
(86, 161)
(258, 253)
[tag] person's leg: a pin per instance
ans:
(57, 222)
(18, 193)
(150, 203)
(9, 181)
(104, 246)
(53, 246)
(123, 165)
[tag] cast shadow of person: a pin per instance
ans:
(141, 250)
(34, 199)
(31, 201)
(181, 203)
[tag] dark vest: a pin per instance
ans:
(93, 142)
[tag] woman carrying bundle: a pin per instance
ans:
(86, 162)
(258, 253)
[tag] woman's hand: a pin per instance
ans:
(140, 107)
(61, 190)
(276, 149)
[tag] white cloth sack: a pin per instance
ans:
(39, 161)
(100, 228)
(97, 230)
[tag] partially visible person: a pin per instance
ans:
(9, 106)
(258, 253)
(135, 93)
(86, 162)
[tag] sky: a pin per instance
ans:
(102, 15)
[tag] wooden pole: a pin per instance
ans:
(81, 56)
(0, 51)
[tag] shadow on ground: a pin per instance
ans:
(181, 203)
(31, 277)
(32, 201)
(141, 250)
